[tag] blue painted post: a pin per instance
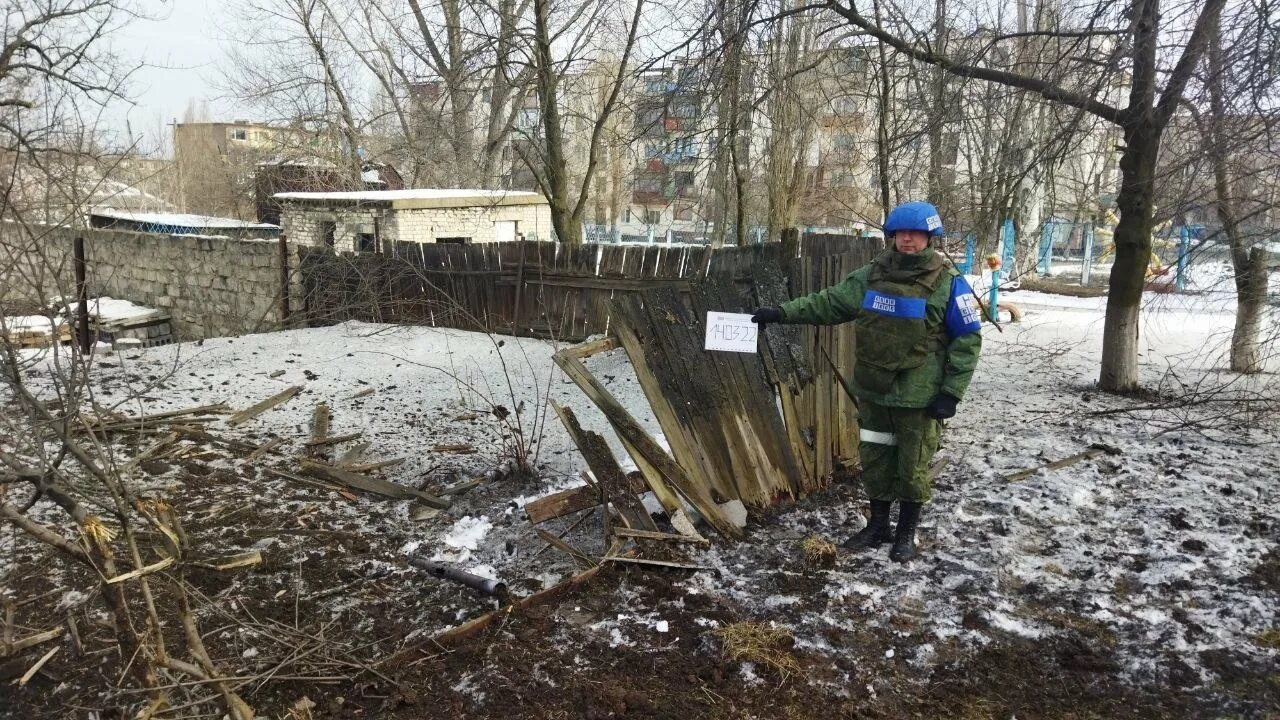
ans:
(1088, 255)
(994, 297)
(970, 246)
(1007, 239)
(1006, 261)
(1046, 249)
(1184, 253)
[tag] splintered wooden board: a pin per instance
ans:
(717, 409)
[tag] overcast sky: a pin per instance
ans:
(180, 48)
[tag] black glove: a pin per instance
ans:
(941, 407)
(766, 315)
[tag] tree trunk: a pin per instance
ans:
(1133, 250)
(1251, 296)
(1249, 267)
(884, 86)
(557, 171)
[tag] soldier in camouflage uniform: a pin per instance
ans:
(917, 339)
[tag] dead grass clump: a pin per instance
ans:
(818, 552)
(760, 643)
(1269, 638)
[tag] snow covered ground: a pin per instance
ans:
(1158, 563)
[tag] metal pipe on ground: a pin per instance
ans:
(484, 585)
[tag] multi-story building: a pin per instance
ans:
(669, 157)
(216, 162)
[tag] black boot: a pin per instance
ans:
(877, 532)
(904, 542)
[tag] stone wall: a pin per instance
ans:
(305, 225)
(210, 286)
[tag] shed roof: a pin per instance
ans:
(416, 198)
(184, 220)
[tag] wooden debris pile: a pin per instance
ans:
(745, 431)
(327, 461)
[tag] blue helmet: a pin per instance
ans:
(920, 216)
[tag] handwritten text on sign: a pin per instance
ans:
(731, 332)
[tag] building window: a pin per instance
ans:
(454, 240)
(365, 243)
(626, 215)
(328, 232)
(686, 148)
(652, 217)
(649, 183)
(239, 134)
(685, 110)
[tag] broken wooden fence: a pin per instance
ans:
(749, 427)
(524, 288)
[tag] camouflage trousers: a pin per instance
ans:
(896, 445)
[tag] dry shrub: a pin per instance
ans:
(818, 552)
(761, 643)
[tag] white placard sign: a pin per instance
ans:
(731, 332)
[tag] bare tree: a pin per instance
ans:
(1139, 47)
(1227, 133)
(549, 159)
(63, 487)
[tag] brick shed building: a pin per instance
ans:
(362, 221)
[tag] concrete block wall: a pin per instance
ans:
(210, 286)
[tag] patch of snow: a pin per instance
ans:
(468, 532)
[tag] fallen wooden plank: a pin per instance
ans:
(311, 482)
(232, 562)
(145, 570)
(26, 677)
(1094, 451)
(265, 448)
(655, 563)
(369, 483)
(653, 535)
(595, 347)
(363, 393)
(196, 433)
(212, 409)
(250, 413)
(320, 418)
(570, 501)
(605, 468)
(334, 439)
(17, 646)
(661, 470)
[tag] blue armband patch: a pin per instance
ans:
(963, 314)
(893, 305)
